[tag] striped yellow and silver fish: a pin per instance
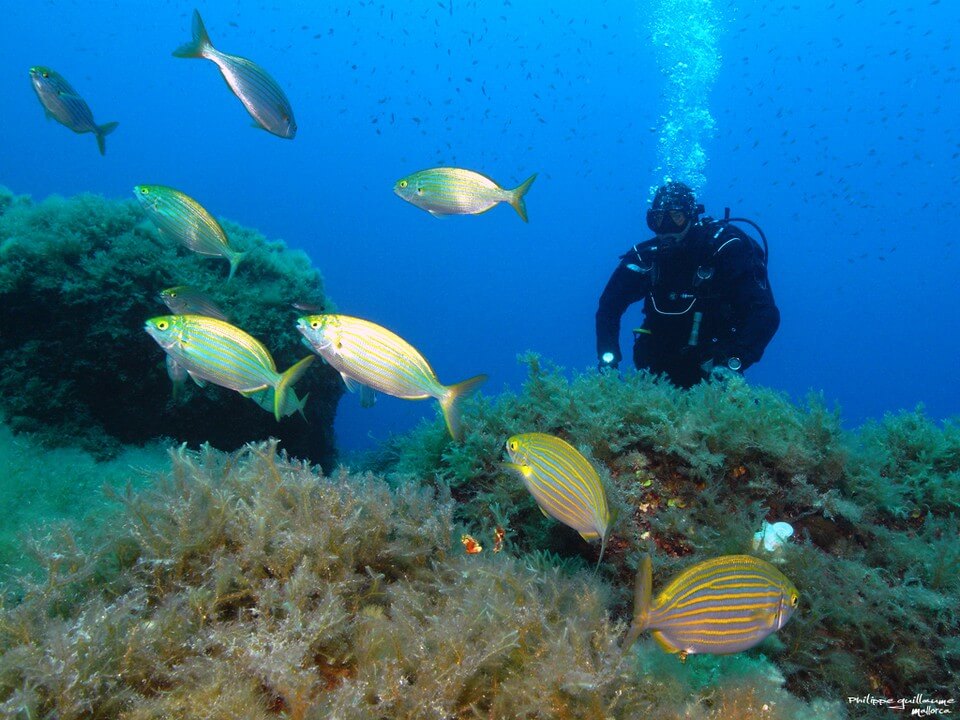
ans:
(260, 94)
(455, 191)
(218, 352)
(186, 300)
(62, 103)
(365, 353)
(180, 217)
(718, 606)
(563, 482)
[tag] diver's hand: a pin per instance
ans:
(607, 361)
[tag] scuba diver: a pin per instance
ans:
(707, 301)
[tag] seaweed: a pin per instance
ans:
(250, 585)
(695, 473)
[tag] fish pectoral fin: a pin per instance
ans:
(524, 470)
(352, 385)
(764, 617)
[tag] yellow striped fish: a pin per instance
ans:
(562, 481)
(368, 354)
(260, 94)
(718, 606)
(216, 351)
(455, 191)
(179, 216)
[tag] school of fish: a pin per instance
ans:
(723, 605)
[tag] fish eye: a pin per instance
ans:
(163, 325)
(339, 345)
(513, 445)
(403, 183)
(144, 191)
(794, 600)
(315, 324)
(45, 74)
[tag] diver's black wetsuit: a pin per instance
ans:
(706, 298)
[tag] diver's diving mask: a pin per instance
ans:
(666, 222)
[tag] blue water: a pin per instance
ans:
(835, 129)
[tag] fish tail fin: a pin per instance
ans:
(301, 405)
(641, 601)
(234, 259)
(287, 380)
(101, 132)
(603, 546)
(199, 43)
(448, 403)
(516, 196)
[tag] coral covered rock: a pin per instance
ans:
(78, 278)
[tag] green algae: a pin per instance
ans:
(695, 473)
(249, 585)
(78, 278)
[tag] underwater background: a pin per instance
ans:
(211, 584)
(832, 128)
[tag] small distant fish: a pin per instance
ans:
(718, 606)
(180, 217)
(218, 352)
(455, 191)
(368, 354)
(563, 482)
(259, 93)
(306, 307)
(470, 544)
(186, 300)
(61, 102)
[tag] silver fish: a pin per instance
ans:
(62, 103)
(259, 93)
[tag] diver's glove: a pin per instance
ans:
(608, 361)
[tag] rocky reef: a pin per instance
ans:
(250, 585)
(78, 278)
